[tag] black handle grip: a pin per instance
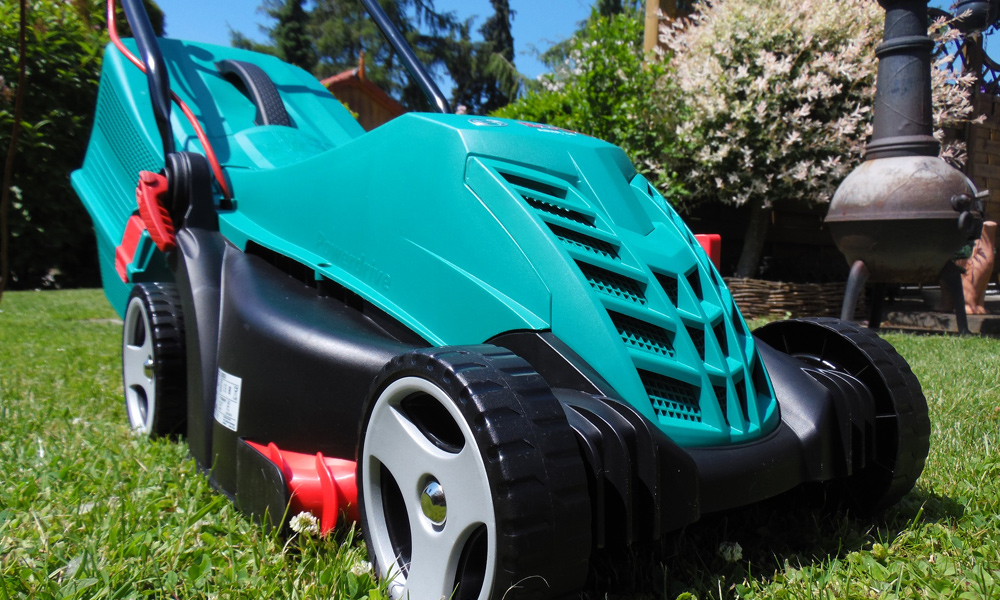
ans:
(156, 69)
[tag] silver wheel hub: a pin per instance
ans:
(398, 451)
(433, 503)
(138, 367)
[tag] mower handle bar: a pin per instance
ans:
(156, 69)
(413, 64)
(159, 79)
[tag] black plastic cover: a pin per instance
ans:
(303, 363)
(197, 267)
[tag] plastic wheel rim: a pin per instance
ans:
(137, 362)
(396, 446)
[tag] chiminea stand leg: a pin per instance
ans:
(855, 287)
(951, 280)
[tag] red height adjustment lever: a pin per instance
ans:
(150, 194)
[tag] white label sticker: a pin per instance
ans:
(227, 400)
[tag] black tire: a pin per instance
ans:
(154, 368)
(902, 430)
(483, 427)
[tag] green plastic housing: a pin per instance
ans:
(461, 228)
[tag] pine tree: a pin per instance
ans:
(291, 36)
(484, 73)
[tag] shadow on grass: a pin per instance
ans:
(784, 531)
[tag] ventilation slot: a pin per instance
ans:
(720, 336)
(758, 377)
(614, 284)
(737, 322)
(535, 186)
(671, 399)
(695, 282)
(669, 285)
(741, 395)
(698, 337)
(585, 242)
(642, 335)
(716, 279)
(559, 211)
(720, 395)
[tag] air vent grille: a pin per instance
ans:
(654, 328)
(642, 335)
(698, 338)
(671, 399)
(720, 395)
(534, 185)
(720, 336)
(669, 284)
(741, 395)
(585, 242)
(559, 211)
(695, 282)
(613, 284)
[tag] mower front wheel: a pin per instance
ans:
(471, 485)
(899, 441)
(153, 360)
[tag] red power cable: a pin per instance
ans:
(209, 151)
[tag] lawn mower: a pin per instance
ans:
(491, 342)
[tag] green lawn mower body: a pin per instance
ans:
(450, 288)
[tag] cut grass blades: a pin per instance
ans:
(88, 510)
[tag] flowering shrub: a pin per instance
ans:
(772, 100)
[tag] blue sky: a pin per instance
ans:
(537, 23)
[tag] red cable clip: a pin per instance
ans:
(149, 194)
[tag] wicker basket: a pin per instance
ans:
(759, 298)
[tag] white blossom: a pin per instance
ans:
(304, 523)
(730, 551)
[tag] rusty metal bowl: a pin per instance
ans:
(901, 217)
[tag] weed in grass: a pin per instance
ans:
(88, 510)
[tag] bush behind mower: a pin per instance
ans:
(490, 341)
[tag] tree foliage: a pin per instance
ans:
(52, 240)
(610, 8)
(602, 85)
(336, 32)
(291, 35)
(340, 30)
(484, 73)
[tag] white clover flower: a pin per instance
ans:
(304, 523)
(730, 551)
(361, 567)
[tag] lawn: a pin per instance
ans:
(89, 510)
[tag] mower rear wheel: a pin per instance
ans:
(153, 360)
(471, 483)
(902, 426)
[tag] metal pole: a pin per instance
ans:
(413, 64)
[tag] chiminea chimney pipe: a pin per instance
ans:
(903, 111)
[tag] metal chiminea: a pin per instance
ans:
(904, 212)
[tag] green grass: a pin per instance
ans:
(88, 510)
